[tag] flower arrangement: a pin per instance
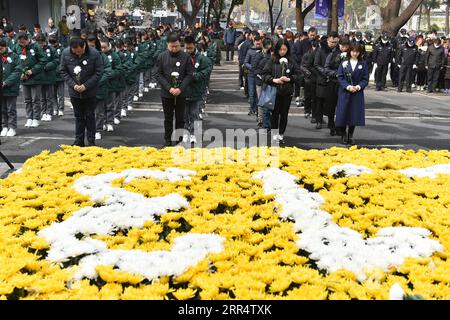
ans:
(283, 62)
(133, 223)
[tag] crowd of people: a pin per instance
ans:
(106, 71)
(316, 71)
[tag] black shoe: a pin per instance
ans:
(313, 120)
(78, 144)
(350, 140)
(344, 139)
(319, 125)
(399, 90)
(307, 115)
(91, 144)
(378, 89)
(429, 91)
(333, 132)
(167, 144)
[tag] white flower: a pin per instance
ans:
(196, 65)
(58, 51)
(48, 50)
(177, 64)
(32, 52)
(283, 60)
(288, 71)
(9, 59)
(110, 59)
(77, 70)
(205, 54)
(360, 67)
(84, 63)
(49, 55)
(175, 74)
(396, 292)
(344, 55)
(23, 57)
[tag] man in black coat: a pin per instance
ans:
(300, 48)
(82, 68)
(407, 59)
(435, 61)
(174, 74)
(326, 46)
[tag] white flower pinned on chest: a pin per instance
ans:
(23, 57)
(110, 59)
(196, 65)
(178, 64)
(9, 60)
(360, 67)
(58, 51)
(288, 71)
(48, 53)
(204, 53)
(32, 52)
(84, 63)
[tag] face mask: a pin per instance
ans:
(437, 46)
(384, 41)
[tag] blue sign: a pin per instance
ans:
(323, 8)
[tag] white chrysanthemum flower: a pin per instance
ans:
(23, 57)
(177, 64)
(77, 70)
(396, 292)
(283, 60)
(84, 63)
(9, 59)
(197, 65)
(175, 74)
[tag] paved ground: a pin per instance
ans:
(406, 121)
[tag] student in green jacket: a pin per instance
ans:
(131, 74)
(32, 63)
(10, 37)
(102, 95)
(194, 92)
(115, 83)
(10, 84)
(124, 59)
(48, 84)
(58, 89)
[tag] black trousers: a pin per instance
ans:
(310, 98)
(84, 111)
(380, 76)
(280, 113)
(421, 77)
(243, 79)
(170, 107)
(331, 102)
(406, 76)
(433, 77)
(395, 73)
(229, 47)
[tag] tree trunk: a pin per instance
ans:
(334, 16)
(429, 19)
(392, 19)
(279, 14)
(230, 11)
(447, 19)
(270, 4)
(301, 14)
(190, 19)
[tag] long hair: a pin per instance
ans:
(276, 51)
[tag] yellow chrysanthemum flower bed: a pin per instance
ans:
(259, 257)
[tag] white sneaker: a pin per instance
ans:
(275, 137)
(280, 137)
(44, 117)
(135, 98)
(130, 108)
(55, 112)
(146, 90)
(141, 95)
(60, 113)
(109, 128)
(185, 138)
(152, 85)
(116, 121)
(35, 124)
(297, 99)
(413, 85)
(123, 113)
(200, 116)
(104, 127)
(4, 132)
(11, 132)
(193, 139)
(242, 88)
(49, 117)
(98, 136)
(28, 123)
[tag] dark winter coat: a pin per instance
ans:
(249, 58)
(351, 106)
(196, 89)
(51, 67)
(408, 56)
(11, 74)
(258, 66)
(35, 61)
(273, 70)
(383, 53)
(166, 64)
(103, 84)
(435, 57)
(320, 58)
(307, 67)
(91, 71)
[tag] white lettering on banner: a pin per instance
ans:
(332, 246)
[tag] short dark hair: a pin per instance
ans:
(189, 39)
(37, 25)
(355, 47)
(76, 42)
(312, 29)
(9, 28)
(257, 37)
(52, 38)
(333, 34)
(266, 42)
(40, 38)
(173, 37)
(22, 35)
(3, 43)
(22, 27)
(111, 29)
(344, 41)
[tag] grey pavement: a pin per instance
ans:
(144, 125)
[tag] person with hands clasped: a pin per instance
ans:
(353, 77)
(281, 71)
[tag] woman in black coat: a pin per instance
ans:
(281, 71)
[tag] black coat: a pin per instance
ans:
(383, 53)
(259, 64)
(319, 64)
(166, 64)
(307, 67)
(435, 57)
(91, 64)
(272, 70)
(300, 49)
(332, 64)
(408, 56)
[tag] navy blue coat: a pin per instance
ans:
(350, 109)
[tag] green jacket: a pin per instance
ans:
(130, 67)
(35, 60)
(103, 84)
(11, 74)
(116, 82)
(58, 54)
(51, 67)
(197, 87)
(12, 43)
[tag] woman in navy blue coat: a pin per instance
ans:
(353, 77)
